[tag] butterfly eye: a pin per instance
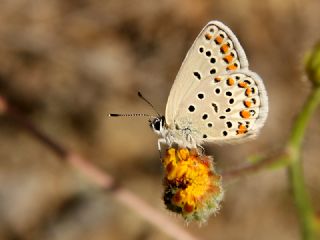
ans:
(157, 125)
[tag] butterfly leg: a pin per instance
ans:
(200, 150)
(161, 141)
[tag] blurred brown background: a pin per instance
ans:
(66, 64)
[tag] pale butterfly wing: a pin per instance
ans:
(225, 108)
(215, 51)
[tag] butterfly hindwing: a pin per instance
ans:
(225, 107)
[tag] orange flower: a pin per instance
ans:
(192, 188)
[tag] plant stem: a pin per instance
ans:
(302, 121)
(301, 197)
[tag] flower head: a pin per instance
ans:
(192, 188)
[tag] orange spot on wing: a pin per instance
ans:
(224, 48)
(228, 58)
(247, 103)
(217, 79)
(245, 114)
(208, 36)
(232, 67)
(218, 40)
(230, 81)
(242, 84)
(242, 129)
(248, 92)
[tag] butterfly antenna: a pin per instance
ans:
(149, 103)
(128, 115)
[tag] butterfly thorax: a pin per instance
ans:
(183, 134)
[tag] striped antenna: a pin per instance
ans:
(128, 115)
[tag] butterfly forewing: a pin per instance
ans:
(216, 50)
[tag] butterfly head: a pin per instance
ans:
(157, 124)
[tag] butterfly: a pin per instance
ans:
(215, 98)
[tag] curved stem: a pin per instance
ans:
(301, 197)
(276, 158)
(303, 119)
